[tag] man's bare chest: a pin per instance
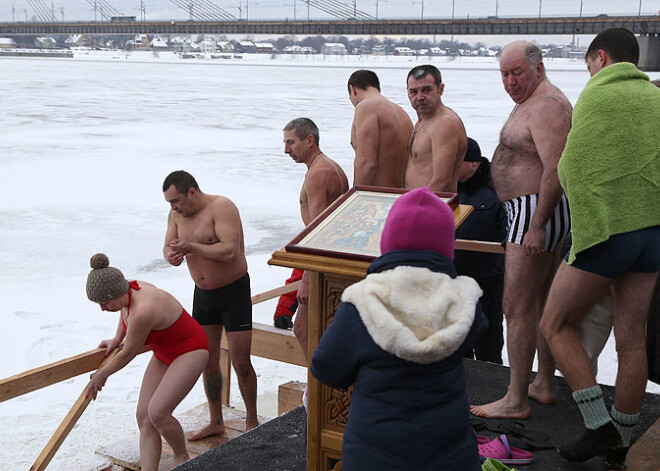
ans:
(198, 229)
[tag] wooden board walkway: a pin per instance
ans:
(125, 453)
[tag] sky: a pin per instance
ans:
(160, 10)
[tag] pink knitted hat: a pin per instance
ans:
(419, 220)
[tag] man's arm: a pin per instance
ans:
(445, 140)
(367, 143)
(173, 257)
(318, 187)
(549, 128)
(228, 230)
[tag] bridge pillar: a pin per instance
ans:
(649, 53)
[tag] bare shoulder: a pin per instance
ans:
(326, 173)
(446, 123)
(368, 108)
(223, 205)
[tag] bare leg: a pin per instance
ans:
(176, 383)
(525, 278)
(300, 328)
(212, 386)
(573, 293)
(240, 344)
(541, 388)
(150, 442)
(632, 297)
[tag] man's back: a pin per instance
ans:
(380, 134)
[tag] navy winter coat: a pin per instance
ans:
(399, 337)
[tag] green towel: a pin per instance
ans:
(610, 167)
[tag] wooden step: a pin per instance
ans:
(125, 452)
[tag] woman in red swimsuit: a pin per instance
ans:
(152, 317)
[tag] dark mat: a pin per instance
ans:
(277, 445)
(560, 422)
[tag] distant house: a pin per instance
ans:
(246, 46)
(45, 43)
(295, 49)
(263, 47)
(139, 41)
(7, 43)
(208, 46)
(77, 40)
(485, 52)
(333, 49)
(437, 51)
(225, 46)
(403, 51)
(179, 44)
(159, 44)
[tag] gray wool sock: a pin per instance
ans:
(592, 406)
(625, 424)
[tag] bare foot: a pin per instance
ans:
(209, 430)
(180, 460)
(251, 424)
(541, 394)
(501, 410)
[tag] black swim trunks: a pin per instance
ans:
(230, 305)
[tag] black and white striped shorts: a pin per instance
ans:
(520, 211)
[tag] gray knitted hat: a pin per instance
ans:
(104, 282)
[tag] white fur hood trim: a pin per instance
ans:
(415, 313)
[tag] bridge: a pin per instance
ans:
(643, 25)
(648, 27)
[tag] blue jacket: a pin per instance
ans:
(487, 222)
(399, 337)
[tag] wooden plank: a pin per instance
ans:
(52, 373)
(478, 246)
(273, 293)
(126, 453)
(351, 268)
(66, 425)
(273, 343)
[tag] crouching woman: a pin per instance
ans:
(399, 337)
(150, 316)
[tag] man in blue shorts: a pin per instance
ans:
(610, 171)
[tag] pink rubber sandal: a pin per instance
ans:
(499, 449)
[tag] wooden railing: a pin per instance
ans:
(267, 342)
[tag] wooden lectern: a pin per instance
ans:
(336, 249)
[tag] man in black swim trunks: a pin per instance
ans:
(206, 230)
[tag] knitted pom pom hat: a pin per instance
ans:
(419, 220)
(104, 282)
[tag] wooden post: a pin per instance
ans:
(66, 425)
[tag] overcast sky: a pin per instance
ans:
(82, 10)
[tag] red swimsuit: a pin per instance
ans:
(184, 336)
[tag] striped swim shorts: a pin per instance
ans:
(520, 211)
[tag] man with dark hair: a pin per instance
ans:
(619, 43)
(379, 135)
(487, 222)
(610, 170)
(438, 142)
(324, 182)
(206, 230)
(524, 172)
